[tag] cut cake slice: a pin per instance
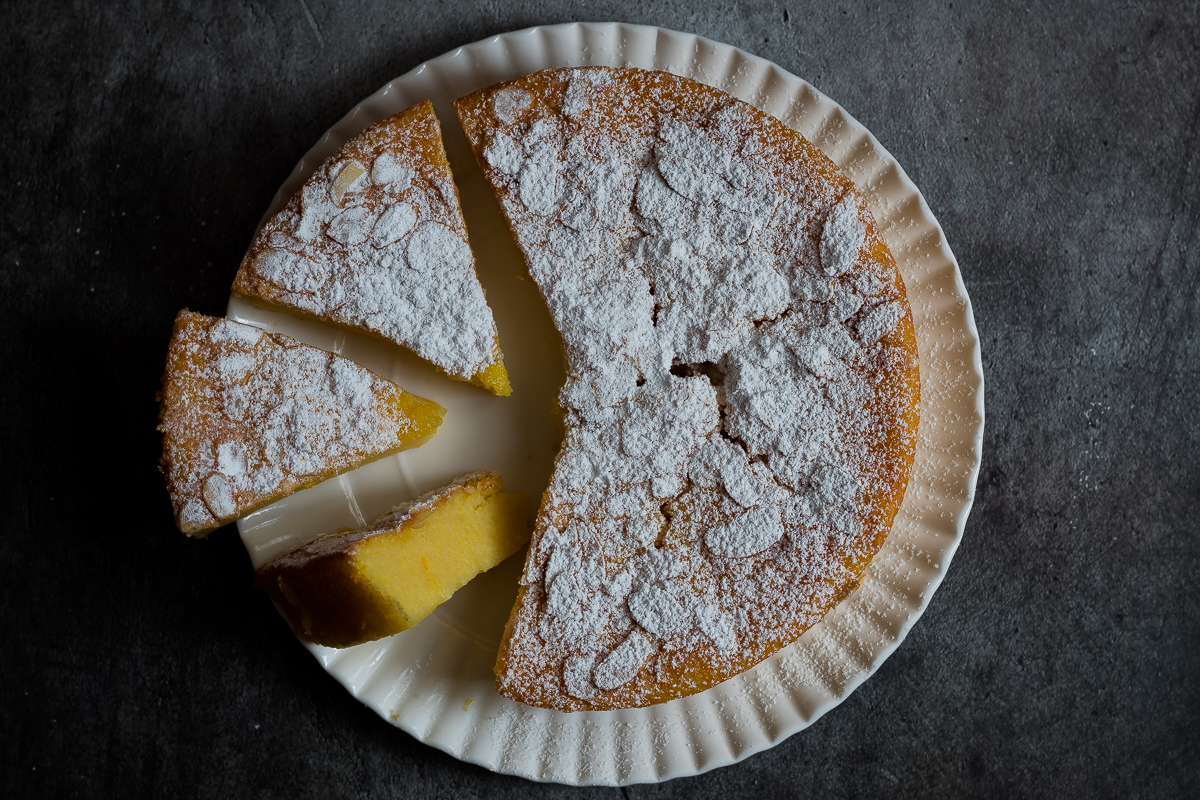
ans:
(248, 417)
(344, 589)
(375, 240)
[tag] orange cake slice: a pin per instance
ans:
(248, 417)
(344, 589)
(375, 240)
(741, 404)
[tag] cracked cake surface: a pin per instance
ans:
(375, 240)
(248, 417)
(742, 394)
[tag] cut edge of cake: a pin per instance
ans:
(343, 589)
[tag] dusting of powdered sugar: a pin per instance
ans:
(722, 330)
(841, 237)
(375, 239)
(249, 416)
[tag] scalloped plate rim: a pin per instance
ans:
(974, 369)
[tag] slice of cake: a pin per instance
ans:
(375, 240)
(248, 417)
(742, 401)
(343, 589)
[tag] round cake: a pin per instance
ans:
(742, 395)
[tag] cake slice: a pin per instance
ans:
(375, 240)
(248, 417)
(344, 589)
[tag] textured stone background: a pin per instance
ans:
(1056, 143)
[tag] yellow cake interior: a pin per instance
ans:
(419, 566)
(344, 589)
(494, 378)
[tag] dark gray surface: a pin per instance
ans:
(1057, 145)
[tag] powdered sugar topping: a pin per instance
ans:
(262, 415)
(723, 403)
(375, 239)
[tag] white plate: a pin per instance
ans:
(435, 681)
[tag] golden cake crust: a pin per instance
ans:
(375, 241)
(248, 417)
(722, 487)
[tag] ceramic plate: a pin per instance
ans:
(435, 681)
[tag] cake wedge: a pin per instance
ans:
(249, 417)
(375, 241)
(344, 589)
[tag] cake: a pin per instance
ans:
(742, 396)
(375, 241)
(344, 589)
(248, 417)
